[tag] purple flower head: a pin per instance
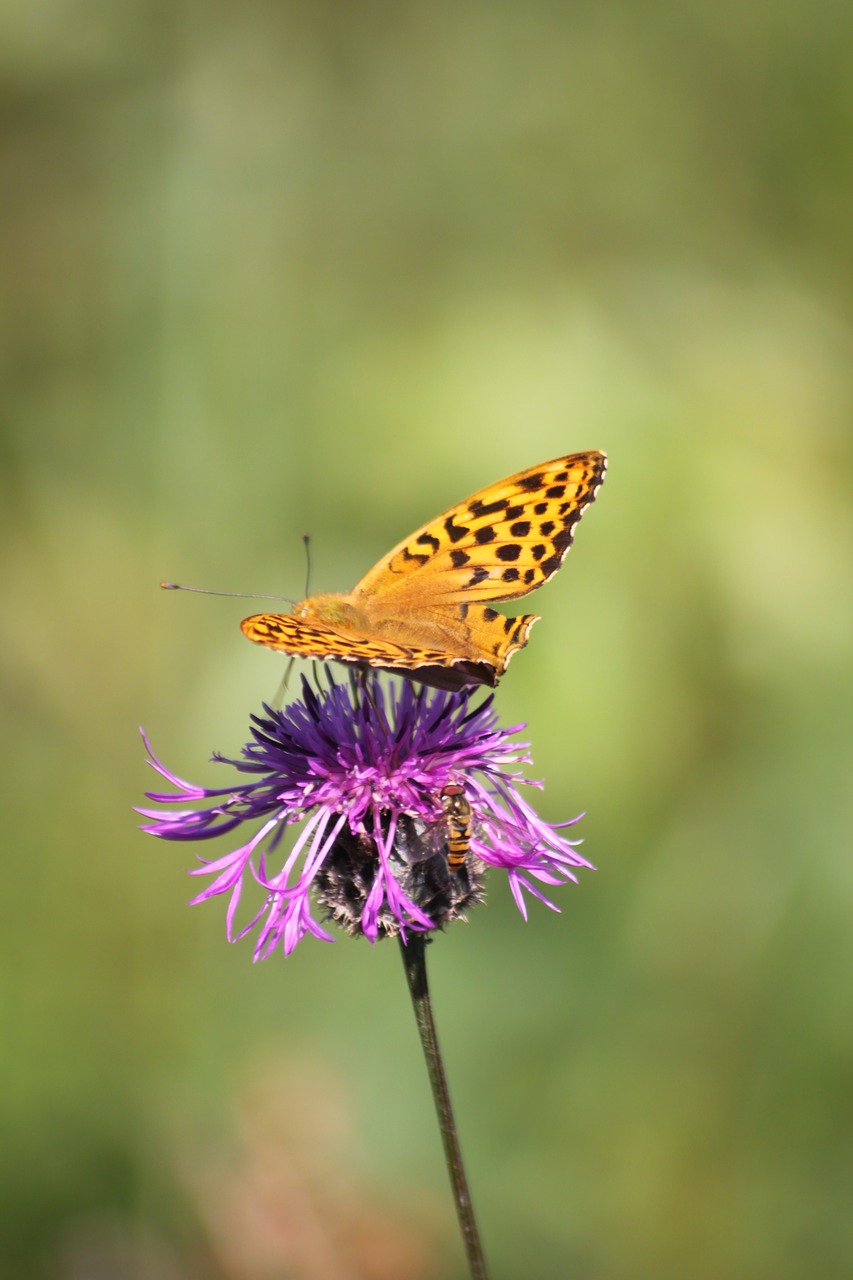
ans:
(402, 796)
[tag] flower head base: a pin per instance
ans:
(362, 767)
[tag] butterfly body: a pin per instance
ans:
(425, 610)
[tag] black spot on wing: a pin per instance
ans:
(531, 482)
(561, 544)
(455, 532)
(429, 540)
(478, 508)
(520, 529)
(458, 557)
(419, 558)
(477, 576)
(509, 551)
(484, 535)
(490, 614)
(510, 575)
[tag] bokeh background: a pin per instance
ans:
(271, 268)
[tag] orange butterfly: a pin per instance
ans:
(420, 612)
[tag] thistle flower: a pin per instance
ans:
(361, 769)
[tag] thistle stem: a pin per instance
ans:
(414, 961)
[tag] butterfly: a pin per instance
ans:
(424, 611)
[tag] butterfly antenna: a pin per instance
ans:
(306, 542)
(239, 595)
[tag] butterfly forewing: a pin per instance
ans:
(500, 544)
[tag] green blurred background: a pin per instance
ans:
(275, 268)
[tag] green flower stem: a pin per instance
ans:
(414, 961)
